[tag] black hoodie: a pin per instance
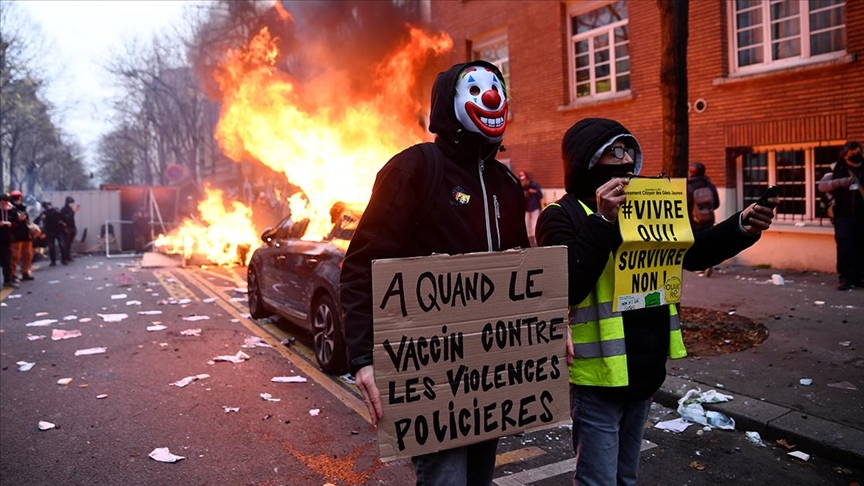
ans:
(477, 206)
(590, 240)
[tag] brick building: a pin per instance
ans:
(775, 89)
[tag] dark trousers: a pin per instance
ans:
(66, 247)
(6, 260)
(50, 240)
(849, 235)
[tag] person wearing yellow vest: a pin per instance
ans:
(619, 357)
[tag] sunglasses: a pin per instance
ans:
(618, 152)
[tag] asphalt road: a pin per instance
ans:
(107, 440)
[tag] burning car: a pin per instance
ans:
(298, 280)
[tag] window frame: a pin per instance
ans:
(484, 41)
(810, 182)
(574, 10)
(804, 35)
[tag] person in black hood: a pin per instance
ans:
(620, 357)
(476, 205)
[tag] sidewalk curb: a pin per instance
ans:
(811, 434)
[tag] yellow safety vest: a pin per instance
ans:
(599, 353)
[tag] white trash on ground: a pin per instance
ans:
(677, 425)
(64, 381)
(778, 279)
(89, 351)
(690, 409)
(41, 323)
(162, 454)
(112, 317)
(189, 379)
(805, 381)
(118, 296)
(149, 313)
(31, 337)
(800, 455)
(255, 342)
(196, 318)
(288, 379)
(191, 332)
(58, 334)
(755, 438)
(158, 327)
(24, 366)
(133, 302)
(43, 425)
(268, 397)
(237, 358)
(314, 412)
(230, 409)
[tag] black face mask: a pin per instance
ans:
(601, 174)
(857, 158)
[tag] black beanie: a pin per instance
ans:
(581, 147)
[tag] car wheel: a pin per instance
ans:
(256, 303)
(327, 336)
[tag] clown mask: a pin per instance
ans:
(481, 106)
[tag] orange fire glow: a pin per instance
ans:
(218, 236)
(326, 139)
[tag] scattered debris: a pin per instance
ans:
(314, 412)
(150, 313)
(64, 381)
(89, 351)
(58, 334)
(53, 282)
(819, 302)
(237, 358)
(697, 466)
(690, 409)
(800, 455)
(24, 366)
(191, 332)
(806, 381)
(31, 337)
(210, 300)
(348, 378)
(14, 296)
(162, 454)
(118, 296)
(778, 279)
(677, 425)
(85, 320)
(41, 323)
(755, 438)
(112, 317)
(70, 318)
(230, 409)
(844, 385)
(255, 341)
(288, 379)
(103, 395)
(158, 327)
(133, 302)
(46, 425)
(41, 314)
(785, 445)
(845, 343)
(268, 397)
(196, 318)
(189, 379)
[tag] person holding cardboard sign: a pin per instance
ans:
(451, 197)
(620, 357)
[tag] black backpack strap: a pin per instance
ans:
(572, 207)
(434, 172)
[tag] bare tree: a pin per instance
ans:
(673, 85)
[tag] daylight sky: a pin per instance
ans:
(80, 36)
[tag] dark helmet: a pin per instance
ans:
(70, 199)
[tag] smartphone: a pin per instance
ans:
(772, 191)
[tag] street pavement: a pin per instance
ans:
(815, 333)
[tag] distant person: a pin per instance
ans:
(843, 183)
(620, 357)
(53, 228)
(67, 216)
(22, 240)
(533, 204)
(702, 197)
(141, 230)
(411, 214)
(8, 214)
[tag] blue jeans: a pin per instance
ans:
(607, 437)
(471, 465)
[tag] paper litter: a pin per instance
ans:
(288, 379)
(58, 334)
(237, 358)
(89, 351)
(162, 454)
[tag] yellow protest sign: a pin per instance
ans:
(656, 233)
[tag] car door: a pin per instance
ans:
(300, 264)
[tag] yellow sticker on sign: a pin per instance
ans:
(655, 227)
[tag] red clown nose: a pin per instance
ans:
(491, 98)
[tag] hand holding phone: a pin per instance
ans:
(771, 192)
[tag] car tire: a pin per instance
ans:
(256, 303)
(327, 337)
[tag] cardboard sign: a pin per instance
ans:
(469, 347)
(655, 227)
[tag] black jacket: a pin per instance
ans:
(848, 202)
(20, 231)
(394, 225)
(589, 242)
(67, 216)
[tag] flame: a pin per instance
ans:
(327, 139)
(222, 236)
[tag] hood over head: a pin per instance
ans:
(451, 136)
(584, 144)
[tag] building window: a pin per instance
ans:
(796, 170)
(785, 32)
(494, 50)
(599, 50)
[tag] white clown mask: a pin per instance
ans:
(481, 106)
